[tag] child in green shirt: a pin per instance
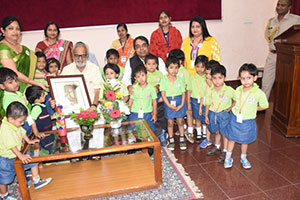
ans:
(112, 57)
(143, 100)
(40, 68)
(11, 136)
(242, 127)
(217, 112)
(153, 78)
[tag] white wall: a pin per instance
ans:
(240, 34)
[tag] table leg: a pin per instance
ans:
(157, 164)
(22, 180)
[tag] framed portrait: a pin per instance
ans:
(70, 91)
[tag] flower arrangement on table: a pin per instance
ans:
(86, 120)
(112, 104)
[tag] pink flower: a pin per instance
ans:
(85, 117)
(115, 113)
(110, 95)
(93, 115)
(78, 116)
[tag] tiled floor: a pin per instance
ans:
(275, 172)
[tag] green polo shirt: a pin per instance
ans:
(252, 98)
(41, 80)
(121, 86)
(172, 89)
(154, 78)
(220, 100)
(36, 111)
(142, 98)
(10, 97)
(184, 74)
(10, 136)
(197, 85)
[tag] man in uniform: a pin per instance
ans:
(277, 25)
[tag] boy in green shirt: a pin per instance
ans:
(11, 136)
(153, 78)
(143, 100)
(217, 112)
(242, 126)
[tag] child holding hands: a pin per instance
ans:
(11, 136)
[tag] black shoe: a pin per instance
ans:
(199, 138)
(222, 157)
(213, 151)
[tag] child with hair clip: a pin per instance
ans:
(205, 137)
(153, 78)
(40, 68)
(242, 126)
(197, 90)
(52, 67)
(112, 57)
(217, 112)
(173, 93)
(143, 100)
(184, 74)
(11, 139)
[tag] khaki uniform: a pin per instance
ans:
(275, 28)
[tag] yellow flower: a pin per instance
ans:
(108, 104)
(119, 95)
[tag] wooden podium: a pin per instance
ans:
(286, 113)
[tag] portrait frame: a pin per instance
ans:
(70, 91)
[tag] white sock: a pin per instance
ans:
(190, 129)
(218, 146)
(181, 139)
(198, 130)
(225, 150)
(36, 179)
(184, 126)
(204, 129)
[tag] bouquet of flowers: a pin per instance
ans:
(85, 117)
(112, 104)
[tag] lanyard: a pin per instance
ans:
(166, 39)
(242, 105)
(172, 89)
(212, 103)
(142, 102)
(123, 46)
(197, 85)
(195, 49)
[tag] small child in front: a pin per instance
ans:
(173, 93)
(35, 95)
(153, 78)
(143, 100)
(40, 67)
(11, 136)
(52, 67)
(197, 90)
(217, 112)
(112, 57)
(242, 127)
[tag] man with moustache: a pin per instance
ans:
(277, 25)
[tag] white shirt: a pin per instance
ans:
(91, 74)
(127, 71)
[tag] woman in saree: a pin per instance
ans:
(17, 57)
(53, 47)
(124, 45)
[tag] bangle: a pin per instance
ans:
(94, 105)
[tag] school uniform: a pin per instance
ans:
(142, 104)
(219, 101)
(173, 92)
(242, 126)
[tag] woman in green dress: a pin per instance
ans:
(17, 57)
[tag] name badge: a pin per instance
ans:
(198, 100)
(29, 120)
(123, 59)
(204, 100)
(141, 114)
(239, 118)
(173, 103)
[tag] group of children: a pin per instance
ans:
(202, 98)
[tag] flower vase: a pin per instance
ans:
(115, 128)
(87, 133)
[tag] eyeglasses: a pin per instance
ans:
(80, 55)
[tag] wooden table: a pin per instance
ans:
(106, 177)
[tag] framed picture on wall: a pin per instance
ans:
(70, 91)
